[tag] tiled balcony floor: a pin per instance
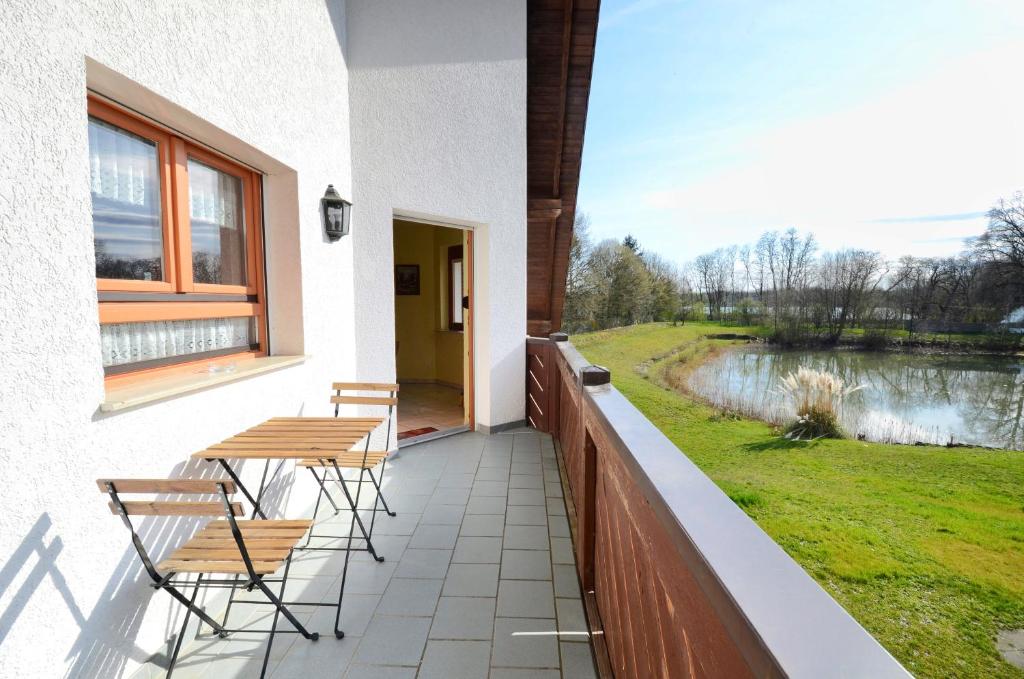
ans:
(478, 580)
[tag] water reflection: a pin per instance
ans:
(907, 397)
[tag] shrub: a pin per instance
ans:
(875, 340)
(817, 398)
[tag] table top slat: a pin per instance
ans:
(242, 454)
(283, 438)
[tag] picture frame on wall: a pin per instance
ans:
(407, 279)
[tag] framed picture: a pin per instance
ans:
(407, 279)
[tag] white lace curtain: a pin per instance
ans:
(215, 197)
(146, 341)
(123, 167)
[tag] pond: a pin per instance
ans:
(977, 400)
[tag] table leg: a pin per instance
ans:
(241, 486)
(263, 487)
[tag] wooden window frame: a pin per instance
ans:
(455, 255)
(197, 300)
(120, 119)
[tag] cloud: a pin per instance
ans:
(946, 147)
(929, 218)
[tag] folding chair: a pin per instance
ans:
(365, 460)
(254, 549)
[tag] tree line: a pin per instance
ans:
(785, 282)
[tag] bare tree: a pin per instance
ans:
(1003, 240)
(847, 281)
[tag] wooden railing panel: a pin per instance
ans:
(678, 580)
(570, 429)
(539, 356)
(649, 602)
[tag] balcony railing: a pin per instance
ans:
(678, 581)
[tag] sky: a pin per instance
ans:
(889, 125)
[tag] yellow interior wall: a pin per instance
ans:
(416, 315)
(425, 351)
(449, 345)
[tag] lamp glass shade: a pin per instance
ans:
(336, 213)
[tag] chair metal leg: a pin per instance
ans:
(338, 633)
(380, 492)
(323, 489)
(189, 604)
(280, 608)
(313, 636)
(319, 497)
(184, 625)
(231, 601)
(356, 519)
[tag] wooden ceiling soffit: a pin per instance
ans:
(561, 36)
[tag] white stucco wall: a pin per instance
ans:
(436, 93)
(438, 105)
(272, 77)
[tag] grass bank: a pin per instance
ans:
(923, 545)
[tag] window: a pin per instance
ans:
(455, 293)
(179, 249)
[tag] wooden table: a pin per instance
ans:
(328, 439)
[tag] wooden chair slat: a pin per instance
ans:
(293, 533)
(347, 460)
(365, 400)
(167, 508)
(309, 433)
(341, 465)
(324, 429)
(166, 485)
(228, 567)
(312, 430)
(229, 543)
(320, 425)
(229, 554)
(341, 444)
(267, 528)
(259, 524)
(267, 523)
(378, 420)
(364, 386)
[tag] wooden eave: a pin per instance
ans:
(560, 57)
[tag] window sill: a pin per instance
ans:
(134, 395)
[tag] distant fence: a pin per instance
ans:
(677, 580)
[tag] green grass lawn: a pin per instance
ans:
(923, 545)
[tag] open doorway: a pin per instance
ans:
(433, 329)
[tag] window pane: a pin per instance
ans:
(218, 225)
(125, 343)
(456, 301)
(126, 215)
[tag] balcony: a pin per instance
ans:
(587, 546)
(479, 579)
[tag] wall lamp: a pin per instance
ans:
(336, 213)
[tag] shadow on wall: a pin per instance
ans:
(448, 32)
(106, 637)
(336, 10)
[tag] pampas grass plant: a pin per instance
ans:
(817, 398)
